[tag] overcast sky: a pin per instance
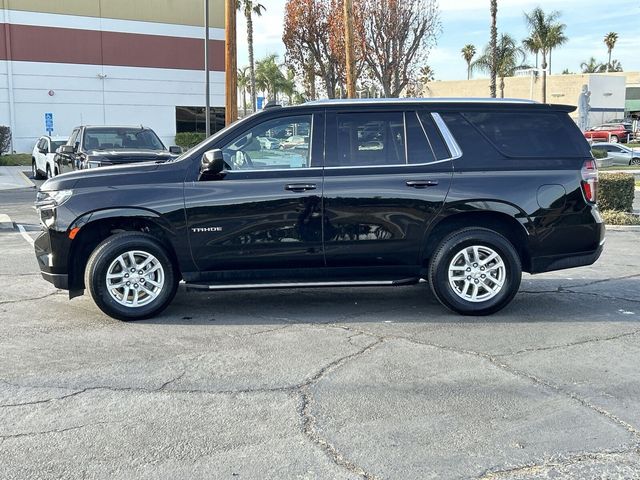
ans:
(467, 21)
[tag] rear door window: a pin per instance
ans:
(432, 132)
(530, 134)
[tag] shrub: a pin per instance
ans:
(189, 139)
(611, 217)
(616, 191)
(5, 139)
(598, 153)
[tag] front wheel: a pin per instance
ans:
(130, 276)
(634, 161)
(34, 171)
(475, 271)
(614, 139)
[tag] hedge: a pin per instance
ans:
(616, 191)
(598, 153)
(612, 217)
(189, 139)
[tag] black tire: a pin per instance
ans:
(48, 172)
(34, 171)
(109, 250)
(453, 245)
(634, 161)
(614, 139)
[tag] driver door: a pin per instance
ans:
(265, 210)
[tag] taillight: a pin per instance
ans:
(589, 173)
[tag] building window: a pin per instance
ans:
(192, 119)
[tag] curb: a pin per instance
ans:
(26, 179)
(622, 228)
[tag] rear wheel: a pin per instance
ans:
(130, 276)
(634, 161)
(49, 172)
(614, 139)
(475, 271)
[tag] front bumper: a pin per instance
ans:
(51, 249)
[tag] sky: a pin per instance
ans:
(467, 21)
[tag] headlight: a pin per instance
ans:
(51, 200)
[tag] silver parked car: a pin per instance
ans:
(620, 154)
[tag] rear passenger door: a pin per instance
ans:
(386, 176)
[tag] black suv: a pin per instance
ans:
(465, 194)
(91, 147)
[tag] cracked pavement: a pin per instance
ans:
(376, 383)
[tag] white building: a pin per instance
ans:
(108, 62)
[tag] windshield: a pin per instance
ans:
(57, 144)
(110, 138)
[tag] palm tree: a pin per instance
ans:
(508, 59)
(615, 66)
(493, 45)
(592, 66)
(531, 46)
(249, 7)
(243, 84)
(610, 40)
(269, 77)
(426, 74)
(468, 52)
(545, 34)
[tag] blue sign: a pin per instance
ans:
(260, 102)
(48, 122)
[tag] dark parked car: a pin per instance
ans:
(91, 147)
(464, 194)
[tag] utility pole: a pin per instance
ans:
(231, 63)
(207, 92)
(348, 41)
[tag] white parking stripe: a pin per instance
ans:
(25, 235)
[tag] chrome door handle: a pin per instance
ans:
(300, 187)
(421, 183)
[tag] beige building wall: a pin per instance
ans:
(563, 89)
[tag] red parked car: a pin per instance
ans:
(610, 132)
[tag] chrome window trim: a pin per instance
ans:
(449, 139)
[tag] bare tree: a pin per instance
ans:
(399, 35)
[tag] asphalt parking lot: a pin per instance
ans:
(321, 384)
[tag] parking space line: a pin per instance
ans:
(26, 179)
(25, 235)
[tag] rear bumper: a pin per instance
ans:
(560, 262)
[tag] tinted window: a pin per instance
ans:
(369, 139)
(418, 147)
(435, 138)
(56, 144)
(73, 139)
(111, 138)
(467, 137)
(274, 144)
(530, 134)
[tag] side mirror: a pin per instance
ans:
(175, 149)
(212, 162)
(67, 149)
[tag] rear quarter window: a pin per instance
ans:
(530, 134)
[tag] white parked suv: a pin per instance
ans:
(42, 158)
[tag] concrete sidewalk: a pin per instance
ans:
(12, 177)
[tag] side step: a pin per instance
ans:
(257, 286)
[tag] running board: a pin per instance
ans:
(256, 286)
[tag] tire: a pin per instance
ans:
(49, 172)
(614, 139)
(492, 292)
(634, 161)
(119, 302)
(34, 170)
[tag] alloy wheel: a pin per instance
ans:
(135, 278)
(477, 273)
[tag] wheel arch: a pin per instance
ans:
(507, 221)
(96, 226)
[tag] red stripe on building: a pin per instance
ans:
(67, 45)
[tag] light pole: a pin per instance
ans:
(207, 108)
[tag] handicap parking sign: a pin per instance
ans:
(48, 122)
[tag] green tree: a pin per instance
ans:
(468, 52)
(493, 48)
(243, 84)
(545, 34)
(509, 57)
(610, 40)
(591, 66)
(249, 8)
(269, 77)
